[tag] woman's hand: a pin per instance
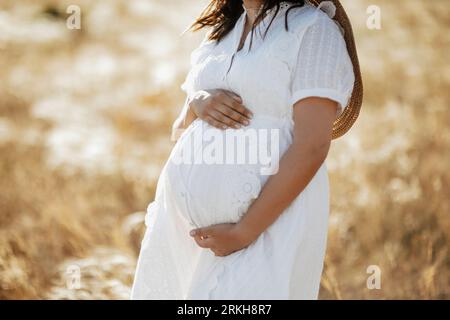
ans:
(223, 239)
(220, 108)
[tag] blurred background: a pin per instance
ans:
(85, 119)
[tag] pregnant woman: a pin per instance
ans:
(241, 206)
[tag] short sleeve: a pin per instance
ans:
(196, 57)
(323, 67)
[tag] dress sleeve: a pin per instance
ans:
(323, 67)
(196, 57)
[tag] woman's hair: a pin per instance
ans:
(222, 15)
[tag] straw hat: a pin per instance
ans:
(348, 117)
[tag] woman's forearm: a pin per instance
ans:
(186, 117)
(297, 167)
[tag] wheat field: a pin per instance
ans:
(85, 117)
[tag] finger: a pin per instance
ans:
(238, 104)
(215, 123)
(200, 232)
(233, 95)
(235, 117)
(238, 107)
(221, 117)
(218, 253)
(206, 243)
(201, 238)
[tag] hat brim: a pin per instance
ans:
(348, 117)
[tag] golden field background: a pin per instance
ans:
(85, 119)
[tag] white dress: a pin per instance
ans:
(285, 262)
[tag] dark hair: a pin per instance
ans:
(222, 15)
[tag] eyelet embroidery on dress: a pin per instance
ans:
(246, 188)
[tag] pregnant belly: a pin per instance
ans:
(215, 180)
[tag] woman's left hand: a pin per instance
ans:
(223, 239)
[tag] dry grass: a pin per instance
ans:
(84, 123)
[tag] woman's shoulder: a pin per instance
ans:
(296, 10)
(203, 49)
(301, 18)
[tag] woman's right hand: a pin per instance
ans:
(220, 108)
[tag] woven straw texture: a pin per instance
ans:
(348, 117)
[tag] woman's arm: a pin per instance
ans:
(186, 117)
(220, 108)
(313, 119)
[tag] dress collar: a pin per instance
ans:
(283, 5)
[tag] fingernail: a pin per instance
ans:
(192, 233)
(246, 122)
